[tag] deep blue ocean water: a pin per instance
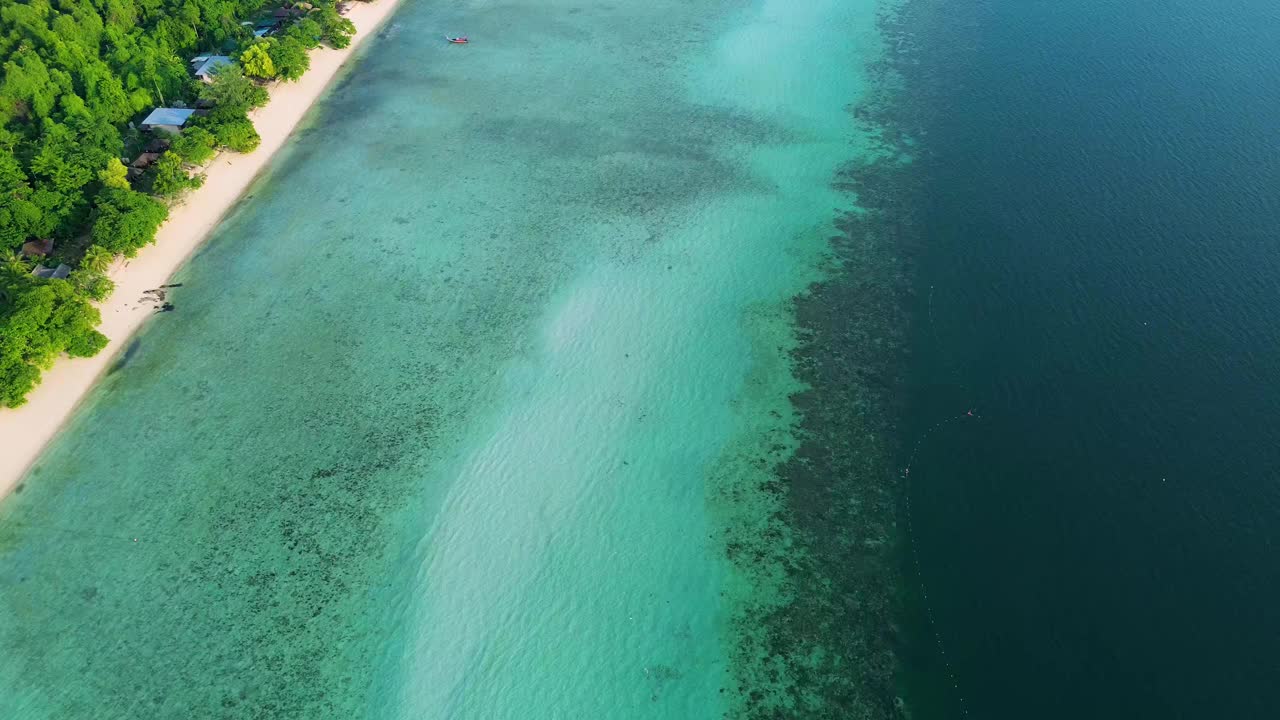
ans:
(1100, 279)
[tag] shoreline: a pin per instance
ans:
(64, 386)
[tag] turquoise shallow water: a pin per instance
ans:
(449, 417)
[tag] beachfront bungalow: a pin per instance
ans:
(169, 120)
(37, 248)
(59, 273)
(204, 66)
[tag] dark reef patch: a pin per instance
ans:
(129, 352)
(830, 645)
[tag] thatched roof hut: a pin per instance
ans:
(37, 248)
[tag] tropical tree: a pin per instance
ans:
(171, 178)
(14, 264)
(13, 272)
(46, 319)
(306, 31)
(20, 216)
(337, 30)
(289, 56)
(257, 62)
(126, 220)
(94, 286)
(97, 259)
(195, 145)
(238, 135)
(114, 175)
(231, 93)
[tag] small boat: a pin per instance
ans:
(462, 40)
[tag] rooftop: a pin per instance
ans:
(143, 161)
(209, 64)
(58, 273)
(37, 248)
(168, 116)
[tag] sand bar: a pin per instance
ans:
(28, 429)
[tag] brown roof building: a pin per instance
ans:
(37, 248)
(144, 161)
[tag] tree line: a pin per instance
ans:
(77, 77)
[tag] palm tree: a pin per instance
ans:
(15, 265)
(13, 268)
(97, 259)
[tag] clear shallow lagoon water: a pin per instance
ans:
(464, 409)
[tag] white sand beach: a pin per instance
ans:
(28, 429)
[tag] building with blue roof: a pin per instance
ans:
(206, 65)
(168, 120)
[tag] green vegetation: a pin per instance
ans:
(257, 62)
(114, 175)
(78, 76)
(291, 57)
(42, 320)
(238, 135)
(126, 221)
(231, 93)
(91, 278)
(170, 179)
(195, 146)
(335, 30)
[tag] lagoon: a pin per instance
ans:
(464, 407)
